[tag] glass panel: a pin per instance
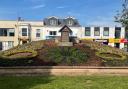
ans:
(106, 31)
(117, 32)
(10, 44)
(87, 31)
(24, 31)
(1, 46)
(37, 32)
(97, 31)
(126, 33)
(52, 33)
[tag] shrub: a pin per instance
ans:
(115, 62)
(67, 55)
(15, 62)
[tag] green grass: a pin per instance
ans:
(79, 82)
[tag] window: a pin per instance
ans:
(24, 31)
(1, 46)
(7, 32)
(97, 31)
(11, 32)
(106, 31)
(126, 33)
(87, 31)
(3, 31)
(53, 22)
(52, 33)
(70, 22)
(10, 44)
(117, 32)
(37, 32)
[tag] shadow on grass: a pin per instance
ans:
(27, 82)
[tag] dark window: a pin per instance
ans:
(96, 31)
(3, 32)
(11, 34)
(106, 31)
(87, 31)
(24, 31)
(117, 32)
(52, 33)
(126, 33)
(1, 48)
(37, 32)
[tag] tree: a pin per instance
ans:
(122, 17)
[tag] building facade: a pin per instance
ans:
(13, 33)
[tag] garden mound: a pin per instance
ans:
(47, 53)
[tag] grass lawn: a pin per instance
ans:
(79, 82)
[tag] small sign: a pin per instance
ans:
(124, 40)
(101, 40)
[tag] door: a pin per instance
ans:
(65, 37)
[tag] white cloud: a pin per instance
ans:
(39, 6)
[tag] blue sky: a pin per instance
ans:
(88, 12)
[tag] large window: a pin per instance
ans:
(7, 32)
(52, 33)
(37, 32)
(96, 31)
(106, 31)
(3, 31)
(117, 32)
(24, 31)
(87, 31)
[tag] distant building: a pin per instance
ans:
(20, 32)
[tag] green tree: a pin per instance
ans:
(122, 17)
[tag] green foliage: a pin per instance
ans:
(7, 55)
(122, 17)
(6, 58)
(16, 62)
(110, 56)
(110, 59)
(68, 55)
(116, 62)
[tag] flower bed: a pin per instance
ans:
(19, 54)
(110, 56)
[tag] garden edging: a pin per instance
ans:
(62, 70)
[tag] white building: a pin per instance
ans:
(17, 32)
